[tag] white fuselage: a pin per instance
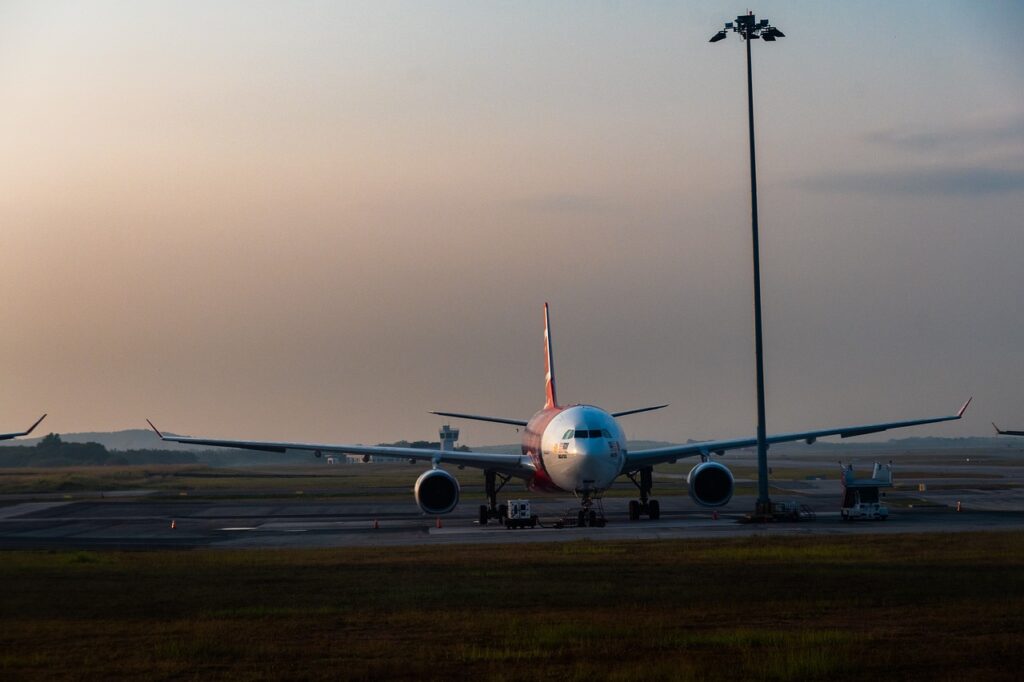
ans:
(582, 449)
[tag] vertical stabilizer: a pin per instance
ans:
(551, 399)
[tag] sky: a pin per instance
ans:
(319, 221)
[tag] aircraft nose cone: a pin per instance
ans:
(594, 460)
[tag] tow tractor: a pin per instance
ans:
(861, 499)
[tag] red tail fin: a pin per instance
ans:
(551, 399)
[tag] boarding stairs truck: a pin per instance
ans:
(861, 498)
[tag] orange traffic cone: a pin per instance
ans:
(376, 524)
(714, 516)
(438, 524)
(958, 505)
(173, 524)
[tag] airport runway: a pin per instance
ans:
(991, 493)
(145, 522)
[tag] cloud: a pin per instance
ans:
(976, 138)
(961, 181)
(980, 158)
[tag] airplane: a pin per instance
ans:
(578, 449)
(1006, 433)
(8, 436)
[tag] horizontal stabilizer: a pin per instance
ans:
(637, 411)
(480, 418)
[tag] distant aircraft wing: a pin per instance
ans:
(516, 465)
(642, 458)
(1006, 433)
(8, 436)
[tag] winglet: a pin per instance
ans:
(33, 427)
(998, 430)
(964, 408)
(155, 430)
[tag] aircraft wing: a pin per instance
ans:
(643, 458)
(516, 465)
(8, 436)
(1006, 433)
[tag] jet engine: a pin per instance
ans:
(710, 484)
(437, 492)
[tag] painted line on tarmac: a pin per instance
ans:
(28, 508)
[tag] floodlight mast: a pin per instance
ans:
(750, 29)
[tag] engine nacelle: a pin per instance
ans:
(437, 492)
(711, 484)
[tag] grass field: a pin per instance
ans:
(831, 608)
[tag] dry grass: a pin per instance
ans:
(935, 607)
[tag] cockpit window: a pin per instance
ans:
(586, 433)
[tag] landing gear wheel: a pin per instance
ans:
(581, 518)
(483, 514)
(634, 510)
(592, 518)
(533, 521)
(653, 510)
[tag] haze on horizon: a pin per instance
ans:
(318, 221)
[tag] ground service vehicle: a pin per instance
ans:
(518, 515)
(861, 496)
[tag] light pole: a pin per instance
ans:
(751, 29)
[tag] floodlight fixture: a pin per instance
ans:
(749, 28)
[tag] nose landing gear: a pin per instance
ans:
(587, 515)
(637, 508)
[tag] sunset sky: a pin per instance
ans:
(318, 221)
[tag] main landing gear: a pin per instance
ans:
(644, 505)
(493, 510)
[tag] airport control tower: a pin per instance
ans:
(448, 437)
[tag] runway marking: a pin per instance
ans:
(28, 508)
(239, 528)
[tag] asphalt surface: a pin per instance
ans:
(991, 497)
